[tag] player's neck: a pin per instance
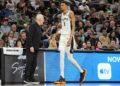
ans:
(65, 11)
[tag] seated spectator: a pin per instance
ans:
(112, 26)
(83, 46)
(54, 27)
(117, 17)
(25, 29)
(12, 5)
(113, 44)
(101, 6)
(5, 28)
(4, 41)
(93, 40)
(16, 34)
(118, 32)
(35, 4)
(76, 11)
(81, 31)
(77, 20)
(52, 43)
(106, 25)
(88, 35)
(53, 9)
(108, 8)
(101, 17)
(104, 38)
(22, 41)
(88, 45)
(6, 12)
(48, 16)
(29, 10)
(45, 34)
(79, 26)
(84, 8)
(88, 25)
(42, 7)
(11, 40)
(1, 5)
(23, 20)
(112, 36)
(98, 45)
(21, 5)
(94, 20)
(78, 40)
(111, 17)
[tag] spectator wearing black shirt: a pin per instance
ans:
(32, 47)
(112, 36)
(93, 40)
(101, 6)
(88, 45)
(21, 5)
(22, 41)
(88, 25)
(80, 26)
(118, 32)
(42, 7)
(53, 9)
(76, 11)
(88, 35)
(94, 21)
(112, 26)
(1, 5)
(46, 31)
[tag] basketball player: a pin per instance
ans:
(66, 39)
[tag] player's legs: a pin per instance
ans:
(72, 60)
(62, 46)
(62, 56)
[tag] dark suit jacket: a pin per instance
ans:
(34, 36)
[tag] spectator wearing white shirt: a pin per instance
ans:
(35, 4)
(84, 8)
(12, 4)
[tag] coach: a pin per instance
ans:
(32, 47)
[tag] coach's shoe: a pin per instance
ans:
(82, 75)
(34, 82)
(27, 81)
(60, 81)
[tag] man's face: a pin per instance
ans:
(13, 28)
(104, 32)
(5, 23)
(42, 20)
(113, 44)
(23, 36)
(63, 6)
(88, 44)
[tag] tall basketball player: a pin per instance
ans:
(66, 39)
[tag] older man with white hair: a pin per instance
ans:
(32, 47)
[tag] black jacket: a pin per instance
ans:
(34, 36)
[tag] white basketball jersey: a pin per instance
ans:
(66, 24)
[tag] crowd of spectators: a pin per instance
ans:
(97, 23)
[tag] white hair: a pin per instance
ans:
(39, 16)
(13, 25)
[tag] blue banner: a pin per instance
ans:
(99, 66)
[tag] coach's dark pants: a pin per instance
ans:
(31, 62)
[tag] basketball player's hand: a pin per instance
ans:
(68, 43)
(32, 49)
